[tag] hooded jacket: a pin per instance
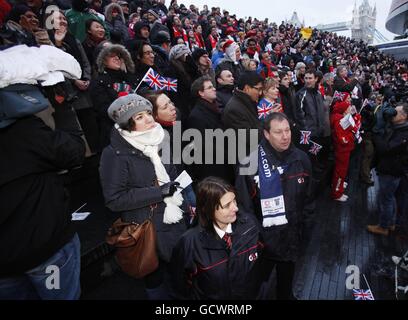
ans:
(116, 25)
(109, 83)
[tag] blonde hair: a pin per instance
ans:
(269, 83)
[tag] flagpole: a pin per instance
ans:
(368, 285)
(143, 79)
(140, 83)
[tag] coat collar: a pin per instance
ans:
(246, 100)
(122, 147)
(210, 240)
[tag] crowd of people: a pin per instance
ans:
(309, 100)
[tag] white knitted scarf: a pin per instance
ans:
(148, 142)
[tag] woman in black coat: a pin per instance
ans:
(116, 77)
(220, 259)
(136, 183)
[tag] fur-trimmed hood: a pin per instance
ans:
(121, 51)
(108, 12)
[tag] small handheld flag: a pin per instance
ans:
(316, 148)
(363, 295)
(264, 109)
(305, 137)
(152, 78)
(169, 84)
(157, 82)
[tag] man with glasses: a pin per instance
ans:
(241, 111)
(206, 115)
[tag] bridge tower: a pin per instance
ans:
(364, 21)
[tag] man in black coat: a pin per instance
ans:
(206, 115)
(282, 236)
(225, 87)
(393, 174)
(37, 243)
(241, 111)
(311, 116)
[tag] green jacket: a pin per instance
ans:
(76, 23)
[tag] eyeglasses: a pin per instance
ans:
(260, 89)
(209, 88)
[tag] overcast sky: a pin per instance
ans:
(313, 11)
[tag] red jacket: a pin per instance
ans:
(343, 140)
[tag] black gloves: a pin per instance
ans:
(169, 189)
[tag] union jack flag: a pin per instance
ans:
(315, 148)
(338, 95)
(264, 108)
(169, 84)
(363, 295)
(305, 138)
(152, 78)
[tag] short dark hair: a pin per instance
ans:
(274, 116)
(313, 72)
(209, 194)
(88, 23)
(249, 78)
(198, 85)
(130, 125)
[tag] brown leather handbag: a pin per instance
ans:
(135, 246)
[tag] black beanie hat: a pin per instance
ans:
(198, 53)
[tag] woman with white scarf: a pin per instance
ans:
(136, 183)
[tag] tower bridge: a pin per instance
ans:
(362, 25)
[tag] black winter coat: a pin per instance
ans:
(104, 90)
(342, 85)
(241, 113)
(202, 268)
(392, 152)
(130, 187)
(311, 111)
(34, 218)
(289, 103)
(282, 243)
(224, 95)
(205, 116)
